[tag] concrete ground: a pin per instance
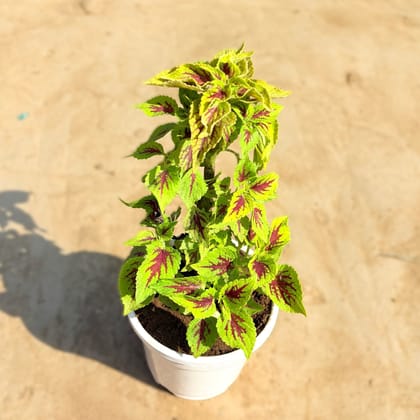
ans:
(349, 165)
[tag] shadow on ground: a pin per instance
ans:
(68, 301)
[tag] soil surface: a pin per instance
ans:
(169, 327)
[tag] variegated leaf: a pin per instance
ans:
(160, 262)
(159, 105)
(127, 283)
(144, 237)
(201, 335)
(249, 138)
(285, 290)
(163, 183)
(236, 293)
(201, 306)
(179, 286)
(273, 91)
(192, 187)
(197, 221)
(262, 268)
(259, 224)
(244, 171)
(279, 236)
(189, 76)
(240, 206)
(216, 263)
(237, 330)
(264, 187)
(186, 157)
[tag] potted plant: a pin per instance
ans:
(212, 262)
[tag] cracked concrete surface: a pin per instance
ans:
(349, 166)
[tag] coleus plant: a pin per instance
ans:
(228, 249)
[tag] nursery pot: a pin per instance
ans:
(195, 378)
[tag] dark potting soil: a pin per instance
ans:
(169, 327)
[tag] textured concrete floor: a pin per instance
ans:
(349, 165)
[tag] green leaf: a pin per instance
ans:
(236, 293)
(161, 131)
(147, 150)
(159, 105)
(163, 183)
(165, 229)
(192, 187)
(285, 290)
(273, 91)
(144, 237)
(253, 307)
(279, 236)
(160, 262)
(187, 97)
(237, 330)
(216, 263)
(127, 283)
(201, 335)
(264, 187)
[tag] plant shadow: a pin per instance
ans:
(69, 301)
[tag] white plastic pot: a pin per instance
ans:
(195, 378)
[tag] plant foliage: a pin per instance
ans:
(229, 248)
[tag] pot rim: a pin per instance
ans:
(201, 360)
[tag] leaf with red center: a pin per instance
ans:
(236, 294)
(160, 262)
(248, 138)
(192, 187)
(263, 148)
(279, 236)
(259, 222)
(201, 335)
(214, 113)
(285, 290)
(202, 73)
(163, 183)
(222, 204)
(262, 268)
(201, 306)
(197, 222)
(186, 157)
(127, 283)
(189, 76)
(159, 105)
(245, 171)
(144, 237)
(200, 137)
(240, 206)
(179, 286)
(147, 150)
(264, 187)
(216, 263)
(237, 330)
